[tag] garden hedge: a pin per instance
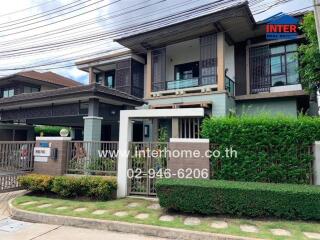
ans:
(251, 199)
(94, 187)
(269, 149)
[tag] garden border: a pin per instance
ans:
(149, 230)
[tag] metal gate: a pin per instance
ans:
(147, 161)
(16, 159)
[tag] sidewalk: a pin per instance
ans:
(18, 230)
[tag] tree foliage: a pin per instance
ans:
(309, 55)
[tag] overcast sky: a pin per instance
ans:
(25, 24)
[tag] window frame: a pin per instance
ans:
(8, 90)
(285, 72)
(184, 64)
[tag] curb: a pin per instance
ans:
(133, 228)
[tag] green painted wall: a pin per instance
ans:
(286, 107)
(221, 102)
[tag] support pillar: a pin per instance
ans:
(175, 127)
(220, 63)
(92, 76)
(92, 128)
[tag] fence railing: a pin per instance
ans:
(92, 158)
(16, 156)
(9, 181)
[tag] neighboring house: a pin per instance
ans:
(26, 83)
(222, 64)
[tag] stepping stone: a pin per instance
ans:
(45, 206)
(219, 224)
(61, 208)
(99, 212)
(28, 203)
(312, 235)
(166, 218)
(133, 205)
(280, 232)
(192, 221)
(249, 228)
(155, 206)
(121, 214)
(142, 216)
(80, 209)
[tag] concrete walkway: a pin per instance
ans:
(36, 231)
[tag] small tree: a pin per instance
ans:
(309, 55)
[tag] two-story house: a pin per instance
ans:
(219, 61)
(26, 83)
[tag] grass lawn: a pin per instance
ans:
(296, 228)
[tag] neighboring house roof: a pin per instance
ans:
(79, 92)
(48, 77)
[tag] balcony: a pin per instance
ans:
(183, 83)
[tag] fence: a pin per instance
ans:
(92, 158)
(9, 181)
(16, 156)
(268, 163)
(16, 159)
(144, 166)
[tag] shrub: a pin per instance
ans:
(95, 187)
(36, 183)
(67, 187)
(269, 149)
(250, 199)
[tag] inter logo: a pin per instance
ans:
(282, 27)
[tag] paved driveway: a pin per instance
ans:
(17, 230)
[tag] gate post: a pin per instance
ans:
(316, 163)
(125, 136)
(50, 155)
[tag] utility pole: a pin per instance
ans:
(317, 17)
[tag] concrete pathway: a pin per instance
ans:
(36, 231)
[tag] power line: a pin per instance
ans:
(42, 14)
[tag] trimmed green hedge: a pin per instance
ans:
(48, 130)
(249, 199)
(269, 149)
(94, 187)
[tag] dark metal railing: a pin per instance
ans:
(230, 85)
(183, 83)
(92, 158)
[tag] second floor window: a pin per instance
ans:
(186, 71)
(284, 65)
(273, 66)
(110, 79)
(28, 89)
(8, 93)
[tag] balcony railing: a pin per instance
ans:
(230, 85)
(184, 83)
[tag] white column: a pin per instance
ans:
(125, 137)
(316, 163)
